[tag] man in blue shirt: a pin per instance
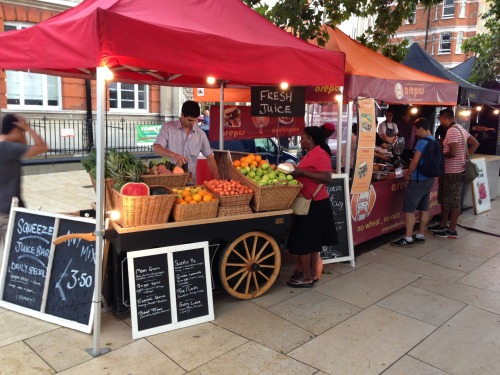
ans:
(418, 188)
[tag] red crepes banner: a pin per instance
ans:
(239, 124)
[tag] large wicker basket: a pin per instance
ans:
(269, 197)
(234, 210)
(232, 200)
(201, 210)
(108, 191)
(143, 210)
(167, 180)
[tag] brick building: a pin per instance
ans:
(442, 29)
(41, 96)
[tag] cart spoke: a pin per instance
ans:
(240, 280)
(264, 276)
(247, 287)
(241, 256)
(246, 248)
(261, 250)
(236, 273)
(257, 287)
(266, 257)
(254, 247)
(237, 264)
(267, 266)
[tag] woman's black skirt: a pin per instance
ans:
(309, 233)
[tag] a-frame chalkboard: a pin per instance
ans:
(338, 193)
(170, 288)
(50, 282)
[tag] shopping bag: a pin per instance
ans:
(471, 171)
(300, 205)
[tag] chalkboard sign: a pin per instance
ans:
(272, 101)
(152, 292)
(338, 193)
(173, 290)
(190, 284)
(71, 286)
(40, 279)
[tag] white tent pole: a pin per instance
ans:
(221, 121)
(99, 226)
(349, 133)
(339, 131)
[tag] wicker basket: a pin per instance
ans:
(167, 180)
(234, 210)
(108, 191)
(143, 210)
(269, 197)
(232, 200)
(201, 210)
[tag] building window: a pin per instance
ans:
(31, 90)
(128, 96)
(433, 42)
(448, 8)
(462, 9)
(444, 43)
(436, 13)
(458, 45)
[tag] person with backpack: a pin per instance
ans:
(427, 163)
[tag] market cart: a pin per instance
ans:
(245, 251)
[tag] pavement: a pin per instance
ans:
(432, 309)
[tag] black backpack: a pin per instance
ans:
(433, 159)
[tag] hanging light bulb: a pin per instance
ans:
(414, 110)
(284, 85)
(108, 74)
(210, 80)
(496, 111)
(338, 98)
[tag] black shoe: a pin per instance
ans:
(446, 233)
(403, 242)
(418, 240)
(436, 228)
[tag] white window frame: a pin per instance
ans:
(436, 13)
(22, 76)
(136, 99)
(458, 44)
(442, 51)
(447, 7)
(433, 43)
(463, 8)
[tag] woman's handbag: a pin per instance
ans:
(300, 205)
(471, 169)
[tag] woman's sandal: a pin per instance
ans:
(294, 283)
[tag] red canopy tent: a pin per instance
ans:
(176, 43)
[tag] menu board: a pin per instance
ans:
(170, 288)
(338, 194)
(40, 279)
(152, 292)
(272, 101)
(190, 284)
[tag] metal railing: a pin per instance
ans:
(76, 137)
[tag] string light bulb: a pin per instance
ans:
(414, 110)
(108, 74)
(210, 80)
(284, 85)
(114, 215)
(496, 111)
(338, 98)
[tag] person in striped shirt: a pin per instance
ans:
(450, 188)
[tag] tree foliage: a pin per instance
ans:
(305, 18)
(486, 69)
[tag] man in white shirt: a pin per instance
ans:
(182, 141)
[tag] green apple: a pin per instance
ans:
(251, 174)
(265, 166)
(243, 170)
(293, 182)
(259, 172)
(272, 175)
(289, 177)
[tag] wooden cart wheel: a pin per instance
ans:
(250, 265)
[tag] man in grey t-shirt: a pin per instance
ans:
(182, 141)
(13, 147)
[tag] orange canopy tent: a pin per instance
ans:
(367, 74)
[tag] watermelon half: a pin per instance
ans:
(135, 189)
